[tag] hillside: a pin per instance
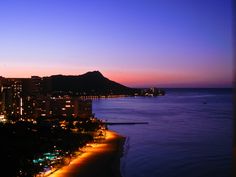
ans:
(90, 83)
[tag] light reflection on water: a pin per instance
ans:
(189, 133)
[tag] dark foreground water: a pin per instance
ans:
(189, 133)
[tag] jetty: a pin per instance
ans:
(124, 123)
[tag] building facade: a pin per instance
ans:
(24, 99)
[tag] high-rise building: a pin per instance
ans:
(83, 108)
(36, 86)
(30, 98)
(11, 99)
(63, 106)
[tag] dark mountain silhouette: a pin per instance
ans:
(90, 83)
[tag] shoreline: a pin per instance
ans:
(97, 159)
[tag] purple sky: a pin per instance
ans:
(163, 43)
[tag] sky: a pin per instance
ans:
(138, 43)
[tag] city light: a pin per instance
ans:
(85, 154)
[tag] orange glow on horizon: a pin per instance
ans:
(131, 78)
(155, 79)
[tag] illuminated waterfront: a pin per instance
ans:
(87, 157)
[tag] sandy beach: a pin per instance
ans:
(97, 160)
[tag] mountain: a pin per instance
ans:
(90, 83)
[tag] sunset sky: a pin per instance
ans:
(162, 43)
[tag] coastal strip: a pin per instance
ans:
(97, 159)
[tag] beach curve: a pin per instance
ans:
(97, 159)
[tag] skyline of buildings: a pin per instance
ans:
(60, 96)
(27, 99)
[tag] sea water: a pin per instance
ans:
(189, 132)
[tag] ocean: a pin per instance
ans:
(189, 132)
